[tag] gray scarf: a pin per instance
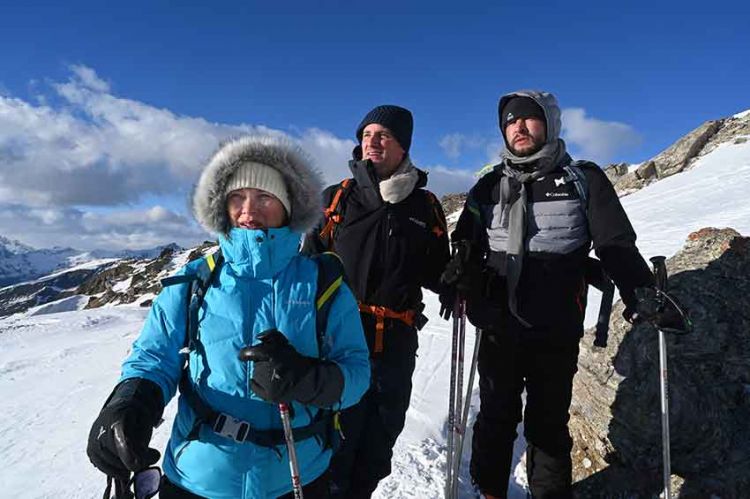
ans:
(517, 172)
(400, 184)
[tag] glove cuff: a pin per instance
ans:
(141, 393)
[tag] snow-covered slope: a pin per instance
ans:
(57, 369)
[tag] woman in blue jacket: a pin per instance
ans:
(259, 195)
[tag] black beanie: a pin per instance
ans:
(396, 119)
(520, 107)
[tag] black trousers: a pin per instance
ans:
(372, 426)
(543, 363)
(317, 489)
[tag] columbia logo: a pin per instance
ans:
(293, 301)
(418, 222)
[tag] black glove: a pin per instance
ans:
(462, 266)
(281, 374)
(119, 438)
(462, 276)
(663, 311)
(448, 297)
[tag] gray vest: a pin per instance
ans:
(557, 226)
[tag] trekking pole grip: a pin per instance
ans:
(660, 271)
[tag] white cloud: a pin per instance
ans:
(101, 149)
(442, 180)
(455, 144)
(89, 78)
(594, 139)
(94, 148)
(451, 144)
(76, 228)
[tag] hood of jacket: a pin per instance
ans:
(552, 152)
(546, 101)
(303, 181)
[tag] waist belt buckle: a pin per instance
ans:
(231, 428)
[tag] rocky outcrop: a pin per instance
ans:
(616, 171)
(681, 155)
(21, 297)
(121, 281)
(615, 415)
(732, 131)
(670, 161)
(452, 203)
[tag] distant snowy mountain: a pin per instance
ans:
(97, 279)
(12, 247)
(20, 263)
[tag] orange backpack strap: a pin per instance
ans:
(382, 313)
(332, 214)
(441, 226)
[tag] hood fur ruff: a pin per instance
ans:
(303, 181)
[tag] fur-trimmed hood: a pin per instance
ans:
(303, 181)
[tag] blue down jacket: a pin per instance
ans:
(263, 284)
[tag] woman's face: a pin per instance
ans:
(255, 209)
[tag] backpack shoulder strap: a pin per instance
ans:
(330, 278)
(199, 280)
(440, 226)
(332, 213)
(574, 173)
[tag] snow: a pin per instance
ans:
(743, 114)
(57, 367)
(122, 286)
(452, 219)
(69, 304)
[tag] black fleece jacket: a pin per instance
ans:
(551, 290)
(389, 251)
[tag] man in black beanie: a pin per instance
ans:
(530, 224)
(390, 234)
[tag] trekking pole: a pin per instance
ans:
(289, 437)
(605, 310)
(465, 413)
(459, 390)
(660, 273)
(452, 401)
(456, 462)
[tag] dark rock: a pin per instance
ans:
(21, 297)
(615, 415)
(452, 202)
(647, 171)
(628, 183)
(615, 171)
(675, 158)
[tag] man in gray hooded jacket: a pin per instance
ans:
(524, 237)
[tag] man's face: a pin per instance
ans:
(381, 147)
(255, 209)
(525, 136)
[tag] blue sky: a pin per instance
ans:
(107, 111)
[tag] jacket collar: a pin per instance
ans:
(259, 254)
(364, 175)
